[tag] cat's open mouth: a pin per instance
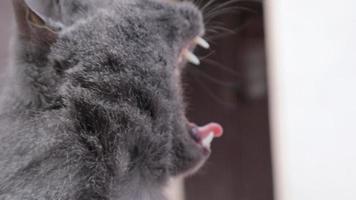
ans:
(187, 55)
(203, 135)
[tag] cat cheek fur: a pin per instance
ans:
(96, 112)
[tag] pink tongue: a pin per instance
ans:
(204, 131)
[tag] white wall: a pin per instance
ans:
(312, 77)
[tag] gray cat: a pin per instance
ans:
(92, 107)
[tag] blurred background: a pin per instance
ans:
(229, 87)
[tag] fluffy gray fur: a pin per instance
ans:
(91, 108)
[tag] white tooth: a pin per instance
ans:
(191, 57)
(203, 43)
(207, 141)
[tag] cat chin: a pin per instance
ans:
(203, 137)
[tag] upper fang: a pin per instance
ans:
(201, 42)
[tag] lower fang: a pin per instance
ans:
(191, 57)
(206, 142)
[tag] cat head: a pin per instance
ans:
(144, 39)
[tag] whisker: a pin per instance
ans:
(207, 55)
(212, 32)
(221, 66)
(231, 85)
(209, 3)
(214, 10)
(216, 13)
(215, 97)
(226, 32)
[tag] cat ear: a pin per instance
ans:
(38, 20)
